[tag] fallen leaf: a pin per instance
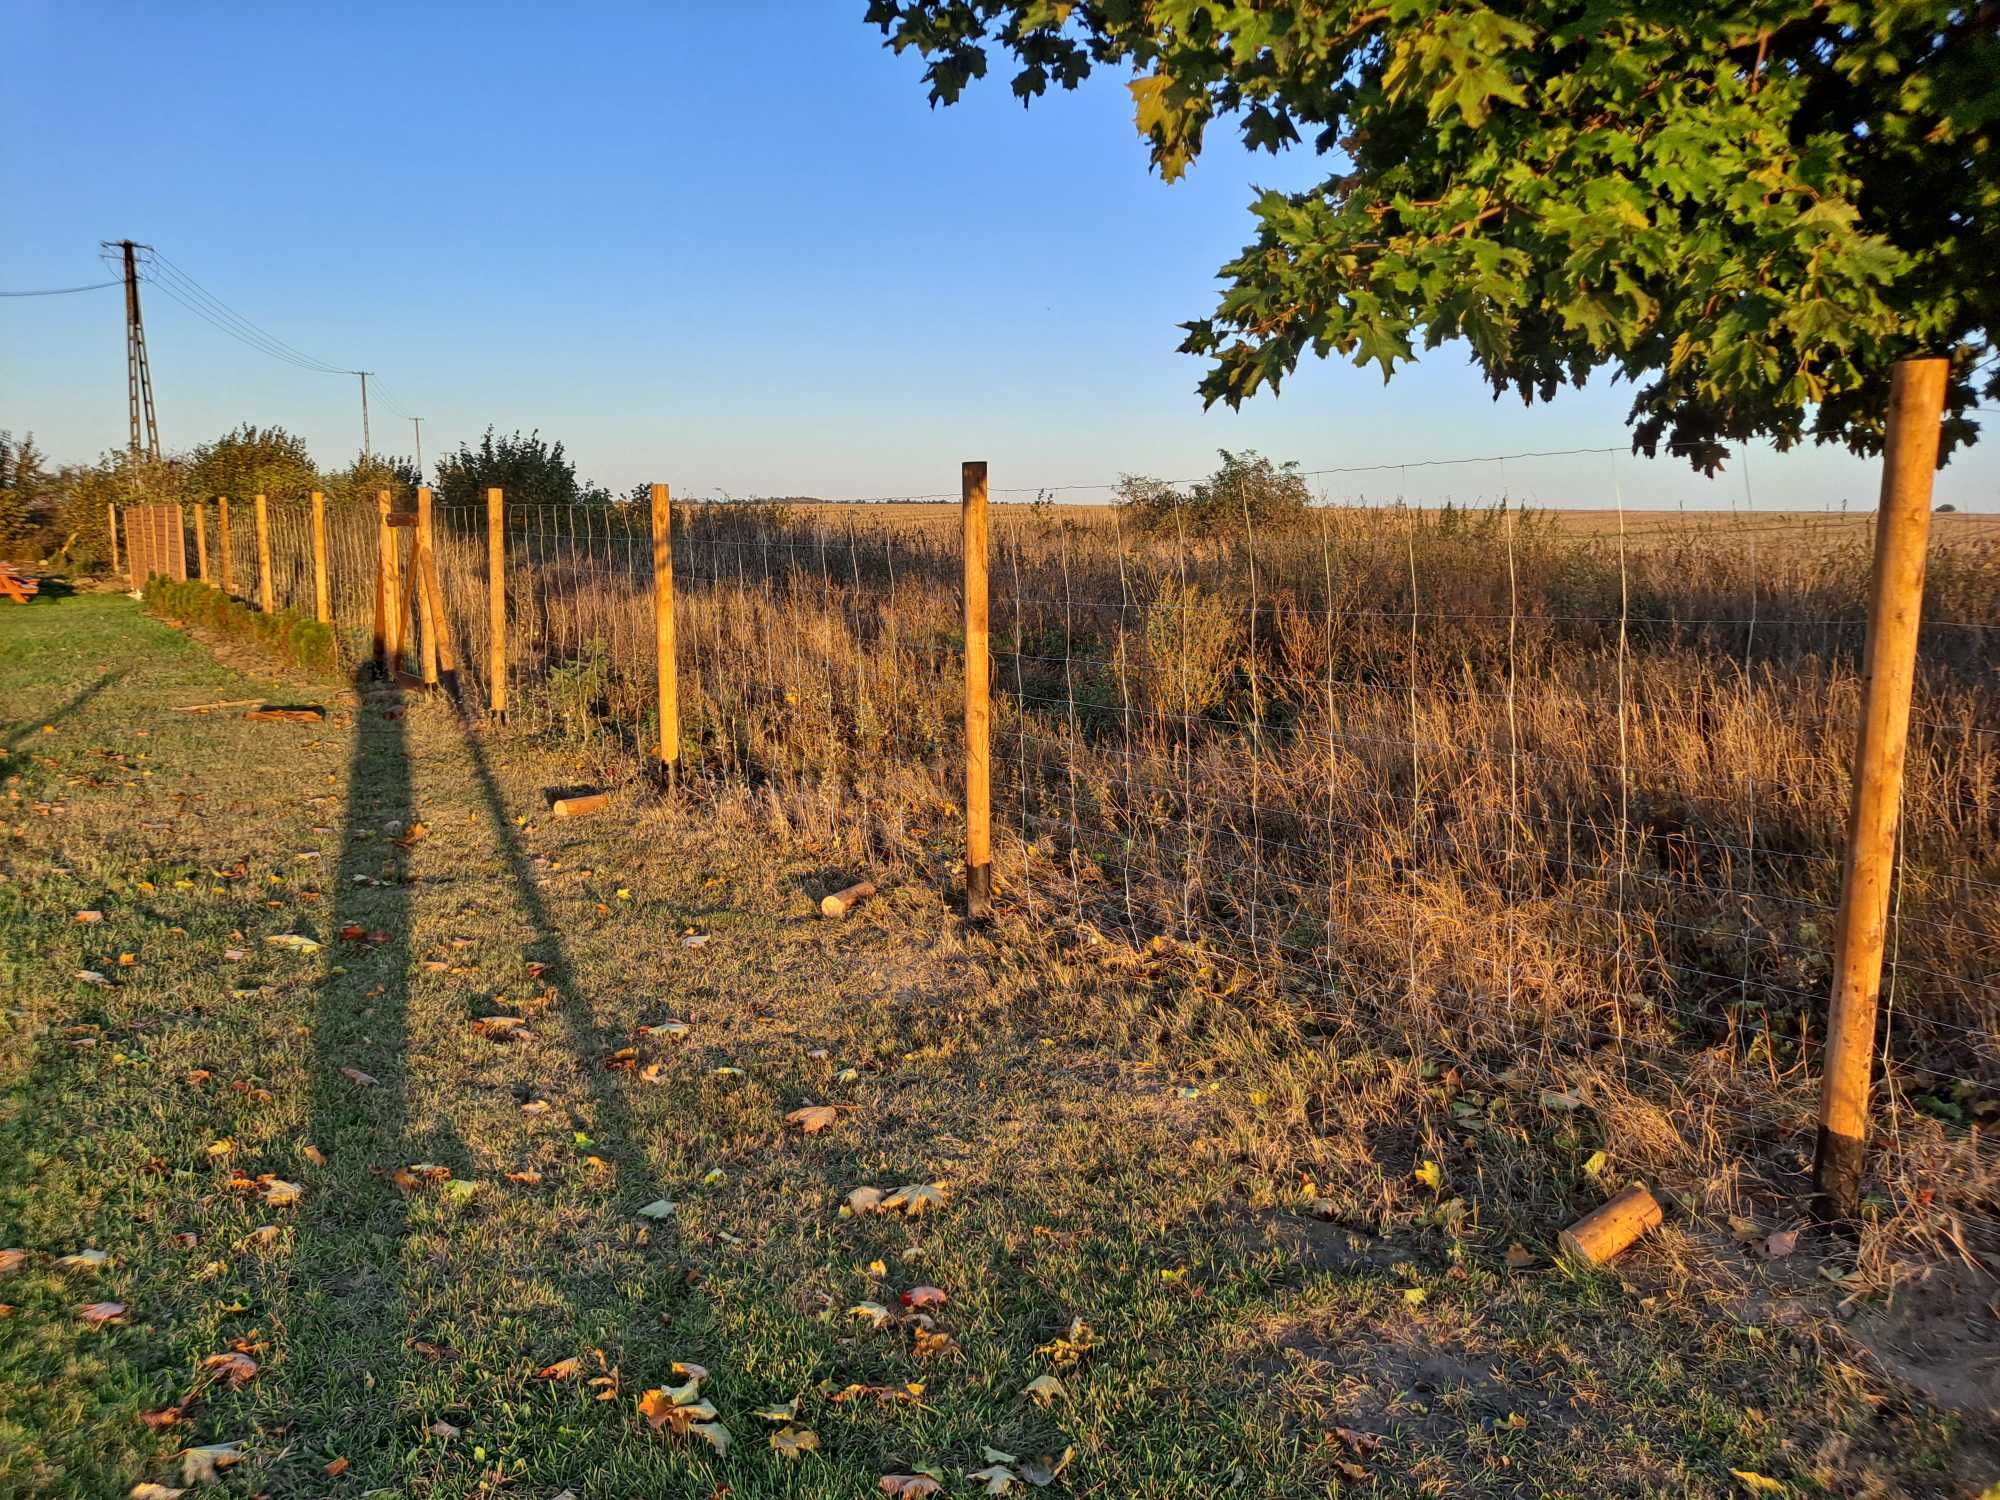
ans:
(358, 1078)
(712, 1433)
(918, 1298)
(562, 1369)
(782, 1413)
(659, 1208)
(1360, 1444)
(12, 1260)
(1778, 1246)
(313, 1155)
(813, 1118)
(204, 1465)
(1044, 1389)
(1414, 1295)
(1071, 1347)
(1431, 1175)
(929, 1343)
(527, 1175)
(83, 1260)
(335, 1469)
(998, 1478)
(905, 1485)
(292, 942)
(1760, 1484)
(1519, 1257)
(282, 1194)
(691, 1370)
(150, 1491)
(443, 1429)
(877, 1315)
(794, 1442)
(90, 916)
(865, 1200)
(916, 1197)
(97, 1313)
(91, 976)
(235, 1368)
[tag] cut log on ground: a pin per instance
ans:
(840, 903)
(1607, 1231)
(582, 805)
(296, 713)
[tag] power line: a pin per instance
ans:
(64, 291)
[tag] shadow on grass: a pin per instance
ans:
(75, 705)
(347, 1322)
(611, 1126)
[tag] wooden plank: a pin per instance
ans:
(201, 540)
(222, 540)
(420, 575)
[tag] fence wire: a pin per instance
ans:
(1528, 794)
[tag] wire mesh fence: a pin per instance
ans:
(1554, 802)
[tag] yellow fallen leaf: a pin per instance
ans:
(1431, 1175)
(1760, 1484)
(813, 1118)
(794, 1442)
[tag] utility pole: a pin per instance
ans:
(138, 373)
(367, 447)
(417, 426)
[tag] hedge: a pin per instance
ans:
(287, 633)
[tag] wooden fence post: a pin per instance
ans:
(420, 553)
(222, 541)
(322, 594)
(1888, 671)
(180, 550)
(496, 601)
(663, 630)
(978, 702)
(263, 555)
(388, 589)
(111, 526)
(201, 540)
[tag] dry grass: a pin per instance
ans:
(1542, 805)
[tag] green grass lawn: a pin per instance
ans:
(490, 1322)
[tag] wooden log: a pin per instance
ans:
(841, 902)
(447, 653)
(1609, 1229)
(496, 601)
(222, 541)
(322, 592)
(178, 553)
(111, 527)
(385, 543)
(201, 541)
(978, 706)
(582, 804)
(427, 613)
(1888, 674)
(264, 598)
(663, 629)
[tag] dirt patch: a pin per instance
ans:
(1940, 1335)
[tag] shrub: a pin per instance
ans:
(1248, 492)
(1193, 647)
(286, 633)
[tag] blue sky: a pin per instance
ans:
(725, 246)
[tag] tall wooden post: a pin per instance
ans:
(978, 702)
(222, 541)
(201, 540)
(1895, 611)
(322, 593)
(388, 589)
(263, 556)
(111, 528)
(496, 601)
(420, 562)
(663, 630)
(179, 558)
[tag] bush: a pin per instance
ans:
(1247, 492)
(287, 633)
(1193, 648)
